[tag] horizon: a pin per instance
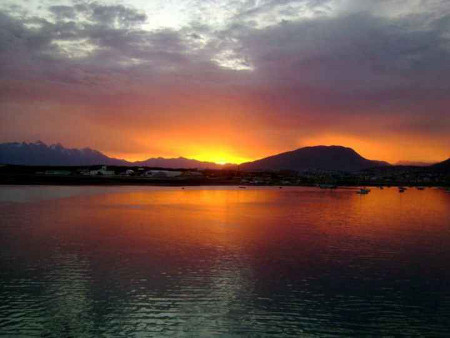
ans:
(226, 81)
(398, 162)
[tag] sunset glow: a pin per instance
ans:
(227, 81)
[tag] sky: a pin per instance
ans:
(228, 80)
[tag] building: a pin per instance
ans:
(103, 171)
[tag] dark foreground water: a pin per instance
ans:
(130, 261)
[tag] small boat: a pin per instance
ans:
(363, 191)
(401, 189)
(420, 188)
(242, 187)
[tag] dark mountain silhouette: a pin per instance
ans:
(414, 163)
(39, 153)
(314, 158)
(179, 162)
(443, 166)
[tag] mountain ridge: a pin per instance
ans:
(321, 157)
(39, 153)
(443, 166)
(331, 158)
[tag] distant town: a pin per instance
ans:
(120, 175)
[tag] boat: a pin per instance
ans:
(420, 188)
(363, 191)
(242, 187)
(401, 189)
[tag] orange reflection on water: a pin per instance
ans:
(245, 220)
(200, 260)
(243, 217)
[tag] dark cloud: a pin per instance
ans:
(63, 12)
(113, 16)
(355, 51)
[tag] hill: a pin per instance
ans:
(334, 158)
(179, 162)
(414, 163)
(443, 166)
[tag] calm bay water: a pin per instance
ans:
(140, 261)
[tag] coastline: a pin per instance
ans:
(75, 180)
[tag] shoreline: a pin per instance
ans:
(141, 181)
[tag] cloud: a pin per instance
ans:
(63, 12)
(113, 16)
(289, 69)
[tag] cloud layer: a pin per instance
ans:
(228, 79)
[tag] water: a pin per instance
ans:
(140, 261)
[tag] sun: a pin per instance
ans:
(218, 156)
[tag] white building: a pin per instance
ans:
(103, 172)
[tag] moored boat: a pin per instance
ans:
(363, 191)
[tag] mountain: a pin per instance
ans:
(179, 162)
(39, 153)
(314, 158)
(443, 166)
(414, 163)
